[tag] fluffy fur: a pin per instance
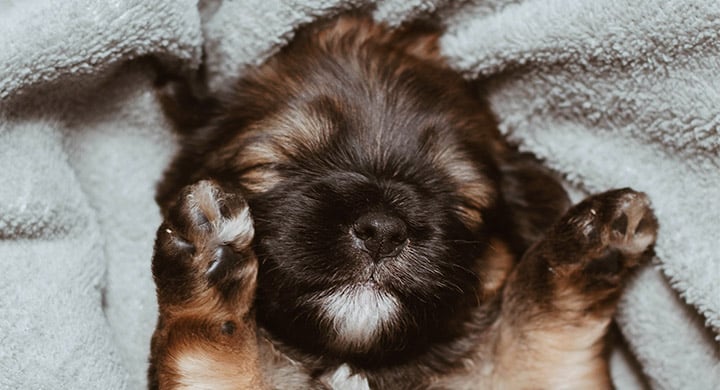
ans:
(394, 233)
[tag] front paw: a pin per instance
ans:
(601, 239)
(204, 244)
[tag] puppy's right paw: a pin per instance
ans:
(204, 244)
(205, 272)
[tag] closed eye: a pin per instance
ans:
(260, 178)
(258, 166)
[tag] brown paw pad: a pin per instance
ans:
(609, 232)
(633, 227)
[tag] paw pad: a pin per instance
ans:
(607, 233)
(634, 227)
(212, 227)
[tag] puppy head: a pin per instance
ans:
(372, 176)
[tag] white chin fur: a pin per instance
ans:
(359, 314)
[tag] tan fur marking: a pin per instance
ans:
(259, 153)
(260, 180)
(472, 187)
(297, 130)
(471, 183)
(215, 369)
(292, 132)
(551, 355)
(425, 47)
(499, 264)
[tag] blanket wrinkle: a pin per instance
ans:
(610, 94)
(94, 34)
(616, 36)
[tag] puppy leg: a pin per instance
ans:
(205, 272)
(562, 295)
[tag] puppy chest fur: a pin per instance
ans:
(398, 242)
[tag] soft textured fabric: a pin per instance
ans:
(610, 93)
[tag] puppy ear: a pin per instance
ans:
(534, 196)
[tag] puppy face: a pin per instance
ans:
(370, 177)
(366, 232)
(374, 180)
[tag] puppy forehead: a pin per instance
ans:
(380, 137)
(294, 130)
(302, 127)
(369, 130)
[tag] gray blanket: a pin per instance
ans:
(610, 93)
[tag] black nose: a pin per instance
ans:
(382, 234)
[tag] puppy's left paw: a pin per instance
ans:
(605, 236)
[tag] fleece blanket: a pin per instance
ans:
(609, 93)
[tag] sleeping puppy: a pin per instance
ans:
(347, 216)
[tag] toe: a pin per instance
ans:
(635, 226)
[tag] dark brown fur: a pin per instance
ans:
(546, 286)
